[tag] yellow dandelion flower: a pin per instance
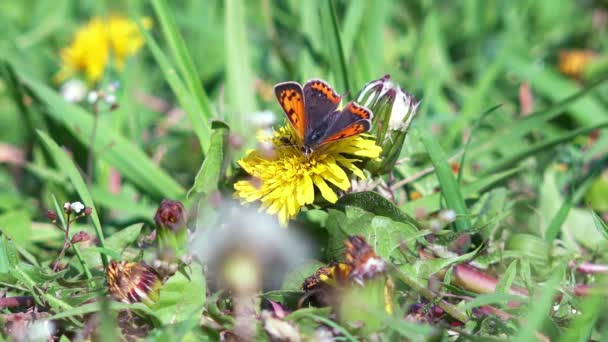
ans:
(125, 38)
(98, 42)
(88, 52)
(285, 180)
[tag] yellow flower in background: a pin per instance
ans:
(125, 38)
(88, 53)
(573, 63)
(97, 43)
(285, 180)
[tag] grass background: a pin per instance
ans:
(533, 174)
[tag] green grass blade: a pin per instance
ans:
(534, 121)
(209, 174)
(335, 51)
(582, 325)
(430, 203)
(551, 84)
(239, 76)
(131, 161)
(182, 57)
(533, 149)
(65, 163)
(200, 125)
(558, 220)
(450, 188)
(541, 306)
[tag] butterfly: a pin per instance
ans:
(313, 113)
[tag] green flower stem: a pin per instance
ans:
(430, 295)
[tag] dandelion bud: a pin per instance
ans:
(132, 282)
(393, 111)
(171, 220)
(51, 215)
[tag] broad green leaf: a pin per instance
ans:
(181, 298)
(17, 225)
(209, 174)
(382, 233)
(375, 203)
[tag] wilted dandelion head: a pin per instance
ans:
(245, 249)
(286, 180)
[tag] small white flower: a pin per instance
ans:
(77, 207)
(73, 90)
(66, 206)
(92, 97)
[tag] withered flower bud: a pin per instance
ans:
(80, 237)
(131, 282)
(51, 215)
(362, 259)
(170, 215)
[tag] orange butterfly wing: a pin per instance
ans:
(291, 99)
(362, 122)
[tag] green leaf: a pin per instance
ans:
(18, 226)
(382, 233)
(67, 166)
(126, 157)
(450, 189)
(423, 269)
(505, 282)
(558, 220)
(116, 306)
(181, 298)
(209, 174)
(492, 298)
(374, 203)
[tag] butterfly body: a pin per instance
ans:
(313, 112)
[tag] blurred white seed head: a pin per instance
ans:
(73, 90)
(241, 241)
